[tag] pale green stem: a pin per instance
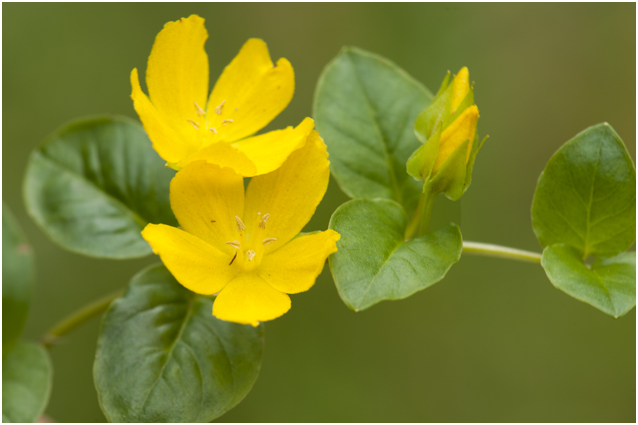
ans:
(490, 250)
(413, 225)
(420, 222)
(100, 305)
(426, 212)
(79, 317)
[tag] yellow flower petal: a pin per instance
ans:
(172, 144)
(224, 155)
(295, 266)
(462, 129)
(289, 194)
(268, 151)
(205, 200)
(460, 89)
(248, 299)
(195, 264)
(253, 92)
(177, 72)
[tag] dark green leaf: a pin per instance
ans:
(26, 382)
(93, 186)
(374, 263)
(586, 197)
(609, 285)
(365, 108)
(163, 357)
(17, 279)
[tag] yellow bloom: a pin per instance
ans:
(244, 244)
(185, 126)
(463, 127)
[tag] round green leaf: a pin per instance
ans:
(586, 196)
(374, 263)
(26, 382)
(163, 357)
(17, 279)
(93, 185)
(609, 284)
(365, 107)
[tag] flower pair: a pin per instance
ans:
(244, 246)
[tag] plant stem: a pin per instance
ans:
(490, 250)
(413, 225)
(428, 199)
(79, 317)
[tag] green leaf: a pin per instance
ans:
(163, 357)
(609, 285)
(364, 109)
(374, 263)
(586, 196)
(17, 279)
(26, 382)
(93, 185)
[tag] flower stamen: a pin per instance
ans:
(228, 121)
(194, 124)
(262, 222)
(250, 254)
(234, 244)
(231, 262)
(220, 107)
(213, 130)
(240, 224)
(269, 240)
(199, 109)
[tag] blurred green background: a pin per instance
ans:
(494, 341)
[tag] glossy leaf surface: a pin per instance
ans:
(26, 382)
(609, 284)
(586, 196)
(93, 186)
(163, 357)
(374, 263)
(365, 107)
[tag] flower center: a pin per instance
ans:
(213, 124)
(250, 245)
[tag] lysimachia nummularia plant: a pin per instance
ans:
(183, 341)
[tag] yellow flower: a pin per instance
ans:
(463, 127)
(185, 126)
(244, 245)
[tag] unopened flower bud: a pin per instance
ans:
(448, 130)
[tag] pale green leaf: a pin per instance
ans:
(93, 186)
(163, 357)
(586, 197)
(26, 382)
(17, 278)
(374, 263)
(609, 284)
(365, 107)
